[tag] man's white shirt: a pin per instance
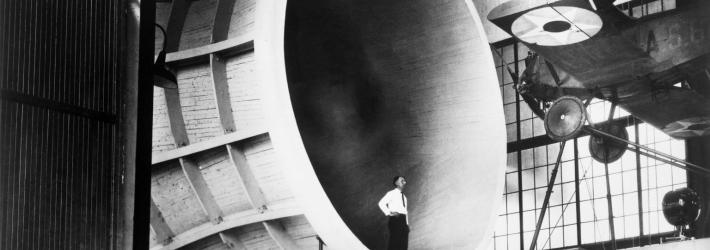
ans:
(394, 201)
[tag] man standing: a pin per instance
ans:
(394, 205)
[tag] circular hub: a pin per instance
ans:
(565, 118)
(556, 26)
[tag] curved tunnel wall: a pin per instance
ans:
(216, 183)
(384, 88)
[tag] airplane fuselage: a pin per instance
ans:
(655, 51)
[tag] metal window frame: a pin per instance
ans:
(521, 144)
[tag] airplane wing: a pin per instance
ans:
(577, 38)
(678, 112)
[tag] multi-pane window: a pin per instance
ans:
(640, 8)
(637, 182)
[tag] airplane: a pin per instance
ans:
(656, 67)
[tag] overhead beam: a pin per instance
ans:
(232, 221)
(177, 123)
(201, 54)
(220, 25)
(163, 233)
(178, 15)
(247, 178)
(229, 237)
(279, 234)
(201, 190)
(218, 69)
(205, 145)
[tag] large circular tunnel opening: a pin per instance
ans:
(384, 88)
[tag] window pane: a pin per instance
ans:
(570, 214)
(632, 226)
(508, 93)
(529, 221)
(528, 179)
(500, 225)
(601, 230)
(568, 193)
(513, 203)
(510, 112)
(527, 158)
(567, 171)
(514, 241)
(511, 132)
(656, 177)
(570, 236)
(512, 162)
(540, 154)
(631, 204)
(587, 232)
(540, 176)
(528, 200)
(630, 184)
(501, 243)
(526, 129)
(513, 223)
(511, 182)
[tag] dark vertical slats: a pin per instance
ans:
(59, 181)
(71, 41)
(3, 17)
(3, 148)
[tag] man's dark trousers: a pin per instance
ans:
(399, 232)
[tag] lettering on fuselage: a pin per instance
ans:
(678, 38)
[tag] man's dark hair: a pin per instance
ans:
(394, 180)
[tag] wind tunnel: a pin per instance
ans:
(385, 88)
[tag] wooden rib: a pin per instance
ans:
(231, 221)
(201, 190)
(246, 176)
(221, 89)
(201, 54)
(230, 239)
(279, 234)
(220, 26)
(205, 145)
(177, 123)
(163, 233)
(178, 14)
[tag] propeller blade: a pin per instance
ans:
(553, 72)
(516, 79)
(532, 103)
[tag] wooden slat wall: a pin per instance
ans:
(227, 168)
(60, 76)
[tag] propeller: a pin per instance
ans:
(535, 106)
(605, 150)
(565, 118)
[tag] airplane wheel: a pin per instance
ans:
(599, 145)
(565, 118)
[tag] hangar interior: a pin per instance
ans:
(373, 89)
(577, 211)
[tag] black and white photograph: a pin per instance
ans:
(355, 124)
